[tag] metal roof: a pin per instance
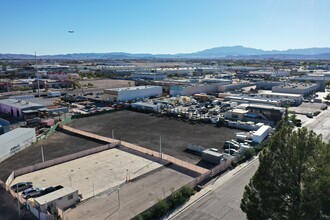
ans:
(14, 134)
(133, 88)
(19, 103)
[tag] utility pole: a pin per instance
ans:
(18, 206)
(118, 204)
(160, 146)
(42, 154)
(37, 75)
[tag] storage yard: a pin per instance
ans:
(145, 130)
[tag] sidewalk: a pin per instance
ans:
(210, 187)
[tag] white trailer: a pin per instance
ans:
(54, 94)
(261, 134)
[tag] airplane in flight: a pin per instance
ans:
(71, 31)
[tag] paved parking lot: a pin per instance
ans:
(92, 174)
(306, 107)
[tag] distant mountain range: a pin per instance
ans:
(230, 52)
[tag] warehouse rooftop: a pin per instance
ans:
(19, 104)
(55, 195)
(131, 88)
(296, 85)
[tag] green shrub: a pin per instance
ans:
(248, 153)
(161, 208)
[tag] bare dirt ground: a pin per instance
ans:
(146, 129)
(134, 197)
(8, 208)
(108, 83)
(57, 145)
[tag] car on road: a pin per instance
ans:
(19, 187)
(309, 115)
(31, 193)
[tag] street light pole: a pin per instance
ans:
(118, 204)
(160, 146)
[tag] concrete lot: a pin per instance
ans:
(320, 125)
(134, 197)
(92, 174)
(306, 107)
(57, 145)
(145, 130)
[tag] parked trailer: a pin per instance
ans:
(212, 157)
(261, 134)
(54, 94)
(195, 148)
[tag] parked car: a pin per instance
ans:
(50, 189)
(31, 192)
(19, 187)
(232, 152)
(231, 145)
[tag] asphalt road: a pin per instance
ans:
(223, 201)
(320, 124)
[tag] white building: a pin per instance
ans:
(148, 76)
(196, 89)
(15, 141)
(297, 98)
(131, 93)
(236, 114)
(297, 88)
(59, 199)
(15, 107)
(261, 134)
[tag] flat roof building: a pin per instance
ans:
(59, 199)
(190, 90)
(15, 107)
(131, 93)
(297, 88)
(297, 98)
(148, 75)
(15, 141)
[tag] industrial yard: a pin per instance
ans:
(146, 129)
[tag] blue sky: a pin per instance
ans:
(160, 26)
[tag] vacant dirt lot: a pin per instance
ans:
(146, 129)
(57, 145)
(134, 197)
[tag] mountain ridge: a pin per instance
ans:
(236, 52)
